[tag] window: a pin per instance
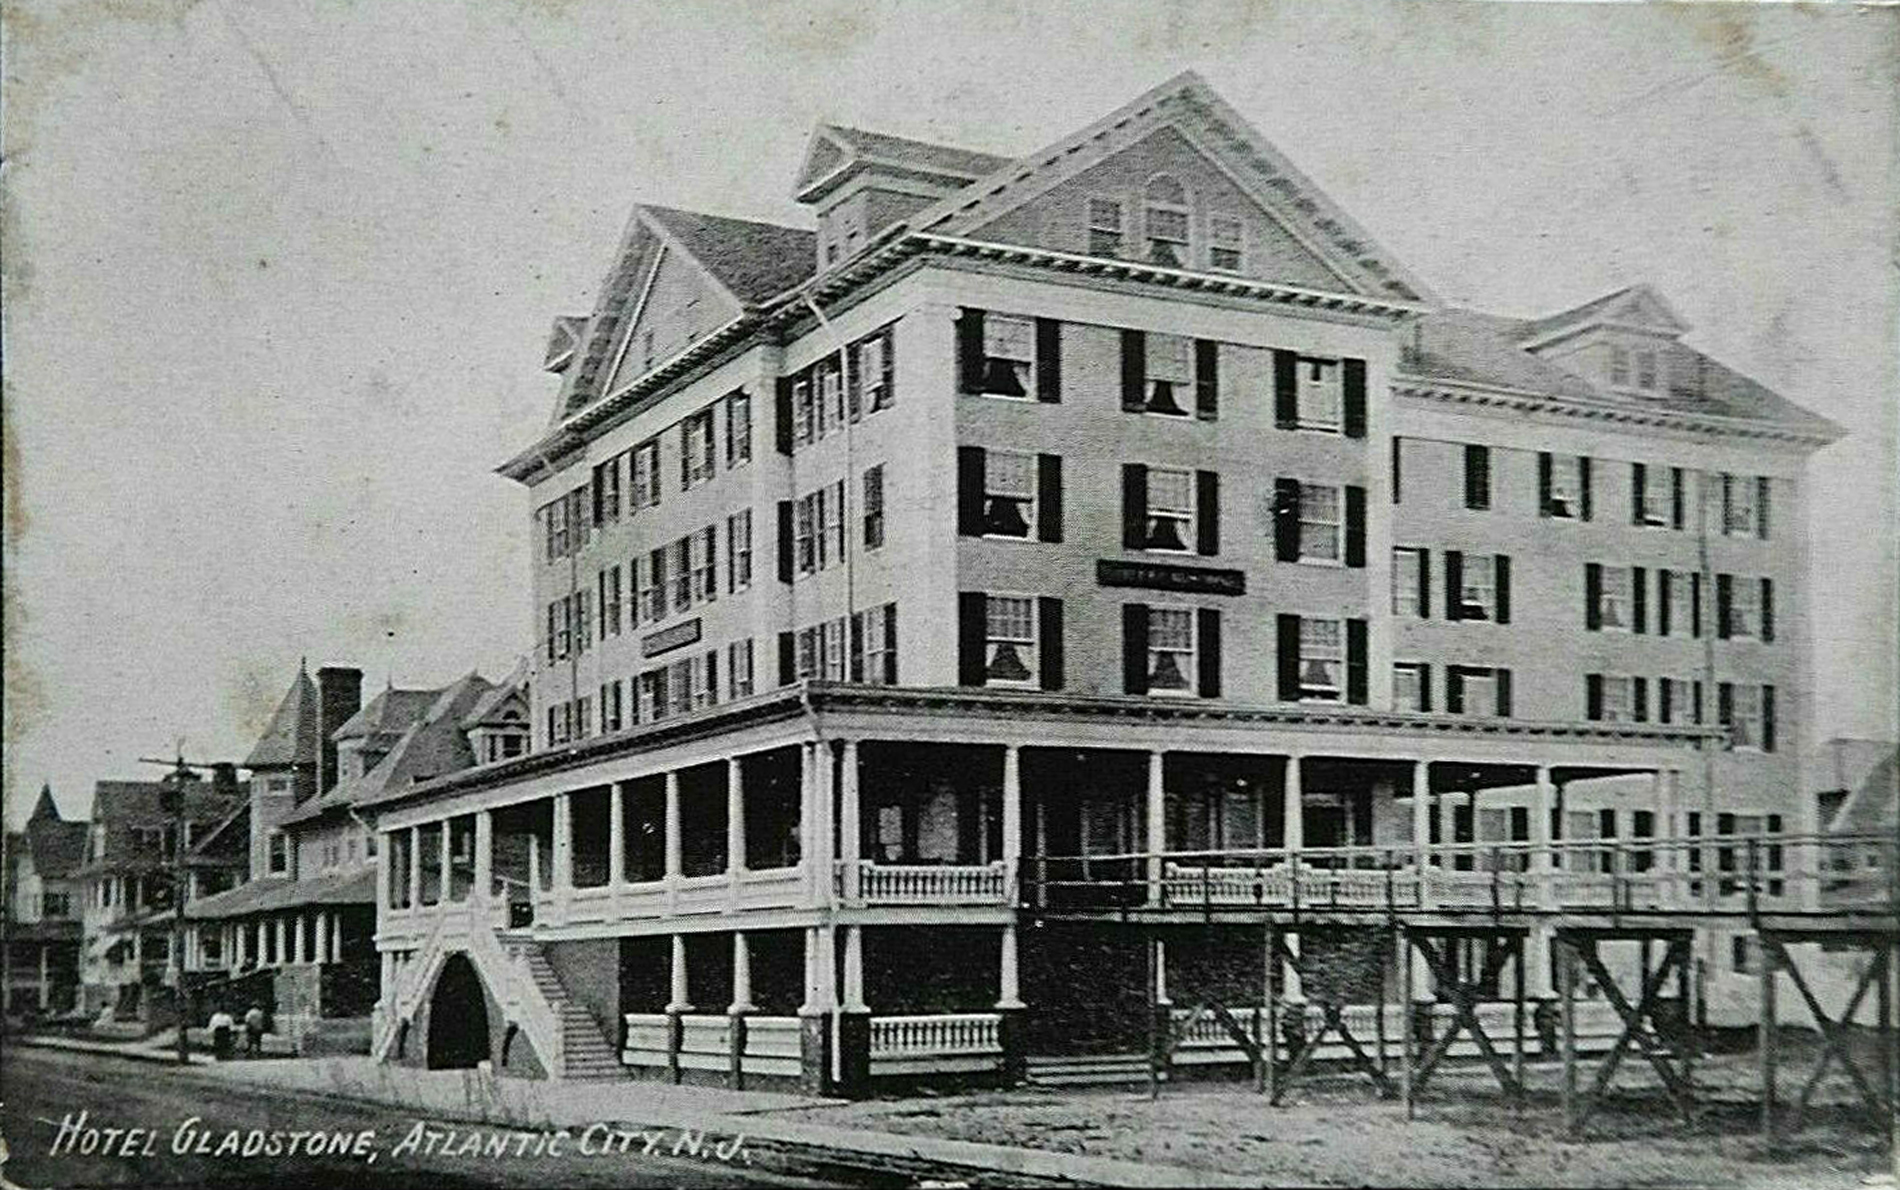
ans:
(872, 374)
(1478, 587)
(1009, 350)
(804, 538)
(554, 529)
(833, 635)
(739, 667)
(1167, 222)
(874, 636)
(1678, 702)
(1566, 492)
(706, 564)
(1679, 610)
(680, 686)
(609, 583)
(1224, 248)
(1105, 227)
(1317, 394)
(653, 700)
(1745, 717)
(683, 573)
(1408, 581)
(1321, 523)
(1620, 366)
(873, 505)
(55, 904)
(828, 396)
(1170, 375)
(1477, 691)
(1009, 648)
(1009, 494)
(607, 491)
(738, 430)
(1744, 608)
(705, 667)
(1170, 650)
(739, 551)
(802, 415)
(831, 510)
(646, 474)
(1646, 370)
(1411, 686)
(1477, 477)
(1616, 703)
(1170, 510)
(1613, 598)
(696, 448)
(1322, 660)
(1652, 494)
(279, 852)
(655, 593)
(1743, 513)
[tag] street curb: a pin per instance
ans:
(131, 1053)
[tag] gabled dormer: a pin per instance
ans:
(861, 183)
(1623, 342)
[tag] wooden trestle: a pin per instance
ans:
(1643, 1023)
(1436, 944)
(1880, 1093)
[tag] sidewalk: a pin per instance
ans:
(476, 1096)
(137, 1051)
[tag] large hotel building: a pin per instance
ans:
(1050, 538)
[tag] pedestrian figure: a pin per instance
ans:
(254, 1032)
(222, 1026)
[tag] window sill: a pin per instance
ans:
(1022, 398)
(1323, 563)
(1318, 428)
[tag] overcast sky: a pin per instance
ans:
(278, 276)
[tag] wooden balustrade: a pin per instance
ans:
(930, 884)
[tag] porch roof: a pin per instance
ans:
(1000, 710)
(275, 893)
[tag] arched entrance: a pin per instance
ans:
(458, 1017)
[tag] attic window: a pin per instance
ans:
(1167, 222)
(1105, 227)
(1646, 370)
(1620, 366)
(1224, 251)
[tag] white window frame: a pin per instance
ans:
(1741, 517)
(1481, 679)
(1189, 666)
(1307, 520)
(877, 646)
(680, 682)
(1025, 499)
(739, 667)
(805, 534)
(868, 357)
(697, 448)
(1658, 506)
(1405, 599)
(1169, 360)
(1333, 654)
(1681, 701)
(1219, 241)
(1184, 515)
(1744, 608)
(1319, 394)
(1096, 225)
(739, 551)
(1751, 740)
(738, 429)
(804, 420)
(1151, 207)
(1479, 576)
(871, 515)
(1623, 599)
(1010, 338)
(1566, 487)
(1022, 633)
(1622, 707)
(1415, 670)
(646, 474)
(1681, 602)
(831, 506)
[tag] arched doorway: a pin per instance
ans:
(458, 1017)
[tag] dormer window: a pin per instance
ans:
(1105, 227)
(1167, 222)
(1170, 375)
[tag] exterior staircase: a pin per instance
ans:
(1087, 1070)
(585, 1052)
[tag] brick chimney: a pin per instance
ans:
(339, 695)
(224, 780)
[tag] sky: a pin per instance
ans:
(277, 278)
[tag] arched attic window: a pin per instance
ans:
(1165, 219)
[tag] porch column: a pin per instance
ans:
(323, 937)
(484, 856)
(263, 935)
(305, 952)
(741, 975)
(853, 991)
(735, 820)
(282, 951)
(1009, 993)
(442, 894)
(1157, 823)
(824, 846)
(1667, 860)
(674, 845)
(679, 1003)
(239, 936)
(616, 838)
(1293, 837)
(1422, 825)
(1447, 829)
(849, 833)
(815, 1069)
(820, 982)
(534, 867)
(563, 845)
(386, 990)
(1012, 843)
(385, 894)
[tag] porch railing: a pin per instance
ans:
(938, 1044)
(927, 884)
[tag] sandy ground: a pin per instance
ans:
(1336, 1132)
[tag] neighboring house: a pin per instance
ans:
(128, 877)
(1120, 498)
(42, 902)
(1856, 785)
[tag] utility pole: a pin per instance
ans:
(174, 801)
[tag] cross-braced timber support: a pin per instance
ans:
(1643, 1022)
(1877, 1093)
(1438, 945)
(1302, 1045)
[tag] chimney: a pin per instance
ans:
(224, 780)
(339, 695)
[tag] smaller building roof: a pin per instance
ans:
(904, 150)
(1873, 805)
(756, 261)
(274, 893)
(290, 739)
(432, 746)
(389, 713)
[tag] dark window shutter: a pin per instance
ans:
(1207, 650)
(856, 649)
(1724, 703)
(1501, 580)
(1049, 640)
(890, 642)
(1698, 701)
(1592, 596)
(1287, 654)
(1665, 580)
(1397, 470)
(1502, 680)
(973, 609)
(1722, 592)
(1049, 497)
(1637, 510)
(1454, 690)
(1767, 610)
(784, 545)
(1665, 698)
(1356, 662)
(1135, 648)
(1761, 505)
(1048, 361)
(1583, 482)
(970, 494)
(1477, 477)
(970, 361)
(1543, 483)
(1355, 526)
(1675, 497)
(1767, 718)
(1286, 382)
(1424, 584)
(1286, 520)
(1134, 506)
(1134, 371)
(787, 660)
(1639, 599)
(1424, 687)
(1206, 379)
(782, 416)
(1639, 698)
(1355, 397)
(1454, 584)
(1593, 697)
(1206, 513)
(1695, 605)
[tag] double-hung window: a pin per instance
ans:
(739, 667)
(1744, 608)
(1009, 494)
(1170, 511)
(802, 413)
(706, 564)
(738, 429)
(1009, 651)
(1322, 524)
(831, 508)
(1225, 243)
(1408, 581)
(1105, 227)
(646, 474)
(1652, 494)
(683, 573)
(1618, 703)
(1009, 356)
(1477, 587)
(805, 535)
(1680, 587)
(1745, 717)
(1478, 691)
(656, 585)
(872, 373)
(1322, 659)
(1318, 394)
(1411, 686)
(830, 397)
(872, 505)
(739, 550)
(1166, 217)
(1613, 599)
(1564, 498)
(1170, 375)
(874, 628)
(1741, 510)
(696, 448)
(1171, 660)
(607, 491)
